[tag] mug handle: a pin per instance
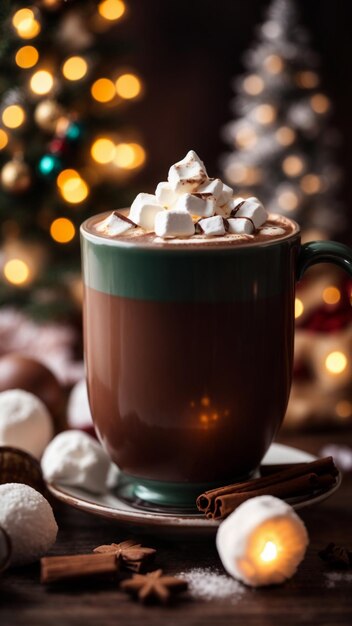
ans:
(324, 252)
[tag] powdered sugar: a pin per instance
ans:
(337, 578)
(208, 584)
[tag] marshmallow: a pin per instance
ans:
(270, 231)
(25, 422)
(28, 519)
(187, 174)
(211, 187)
(253, 209)
(174, 223)
(234, 203)
(78, 409)
(114, 225)
(262, 542)
(213, 226)
(240, 226)
(165, 195)
(74, 458)
(143, 210)
(226, 195)
(224, 211)
(195, 205)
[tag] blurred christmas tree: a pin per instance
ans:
(284, 148)
(65, 151)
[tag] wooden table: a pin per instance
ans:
(305, 599)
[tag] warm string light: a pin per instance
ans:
(27, 57)
(128, 86)
(3, 139)
(336, 362)
(16, 272)
(288, 200)
(343, 409)
(299, 308)
(72, 186)
(292, 165)
(331, 295)
(103, 150)
(265, 114)
(75, 68)
(111, 10)
(13, 116)
(320, 103)
(246, 137)
(103, 90)
(62, 230)
(274, 64)
(285, 136)
(129, 156)
(253, 85)
(240, 174)
(41, 82)
(310, 183)
(27, 27)
(307, 79)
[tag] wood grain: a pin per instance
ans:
(306, 599)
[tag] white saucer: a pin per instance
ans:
(110, 506)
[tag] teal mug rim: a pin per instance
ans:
(119, 243)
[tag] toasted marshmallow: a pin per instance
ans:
(213, 226)
(253, 208)
(240, 226)
(165, 195)
(173, 223)
(211, 187)
(226, 195)
(195, 205)
(188, 174)
(114, 225)
(224, 211)
(143, 210)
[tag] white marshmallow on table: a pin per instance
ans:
(174, 223)
(75, 458)
(240, 226)
(187, 174)
(211, 187)
(25, 422)
(212, 226)
(113, 225)
(28, 519)
(195, 205)
(253, 209)
(225, 196)
(143, 210)
(262, 542)
(165, 195)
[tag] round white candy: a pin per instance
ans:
(25, 422)
(75, 458)
(28, 519)
(262, 542)
(78, 410)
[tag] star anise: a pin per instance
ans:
(153, 586)
(336, 556)
(130, 553)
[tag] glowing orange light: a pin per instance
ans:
(288, 200)
(273, 64)
(111, 9)
(253, 84)
(265, 113)
(13, 116)
(27, 56)
(129, 155)
(246, 137)
(3, 139)
(331, 295)
(310, 183)
(307, 79)
(75, 68)
(26, 25)
(336, 362)
(103, 150)
(103, 90)
(205, 401)
(292, 165)
(62, 230)
(299, 307)
(128, 86)
(343, 409)
(320, 103)
(41, 82)
(285, 136)
(16, 271)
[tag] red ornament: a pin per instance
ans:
(59, 145)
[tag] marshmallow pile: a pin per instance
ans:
(189, 203)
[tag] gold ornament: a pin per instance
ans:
(47, 114)
(16, 176)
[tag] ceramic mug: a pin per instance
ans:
(189, 355)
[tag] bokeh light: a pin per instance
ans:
(111, 9)
(3, 139)
(343, 409)
(13, 116)
(129, 156)
(299, 307)
(285, 136)
(292, 165)
(16, 271)
(274, 64)
(331, 295)
(26, 25)
(41, 82)
(103, 90)
(320, 103)
(27, 56)
(265, 114)
(128, 86)
(103, 150)
(288, 200)
(72, 186)
(307, 79)
(62, 230)
(75, 68)
(336, 362)
(253, 84)
(310, 183)
(246, 137)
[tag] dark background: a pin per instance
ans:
(188, 52)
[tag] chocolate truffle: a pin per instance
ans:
(21, 372)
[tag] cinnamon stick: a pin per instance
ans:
(206, 501)
(55, 568)
(224, 505)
